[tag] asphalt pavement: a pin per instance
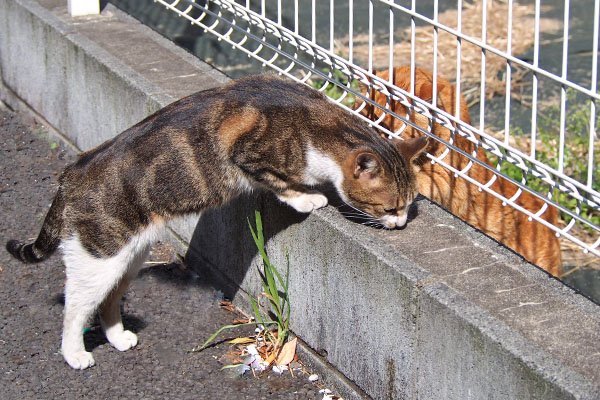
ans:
(171, 309)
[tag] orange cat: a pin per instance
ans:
(531, 239)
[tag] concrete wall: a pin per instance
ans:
(91, 77)
(433, 311)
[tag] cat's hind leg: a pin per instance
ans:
(90, 280)
(110, 309)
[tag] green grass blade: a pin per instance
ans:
(259, 227)
(254, 235)
(231, 366)
(221, 329)
(274, 304)
(258, 237)
(270, 277)
(287, 270)
(272, 286)
(281, 282)
(256, 310)
(269, 270)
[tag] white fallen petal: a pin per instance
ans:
(325, 391)
(279, 369)
(258, 366)
(257, 363)
(313, 378)
(251, 349)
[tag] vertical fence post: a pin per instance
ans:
(83, 7)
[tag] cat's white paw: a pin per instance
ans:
(79, 359)
(123, 341)
(307, 202)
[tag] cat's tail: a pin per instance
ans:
(48, 239)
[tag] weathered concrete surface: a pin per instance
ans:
(92, 77)
(436, 310)
(433, 311)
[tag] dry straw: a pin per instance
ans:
(497, 37)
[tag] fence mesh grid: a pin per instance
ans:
(534, 117)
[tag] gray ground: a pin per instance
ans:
(169, 308)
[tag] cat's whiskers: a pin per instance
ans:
(367, 219)
(374, 224)
(360, 212)
(353, 214)
(370, 220)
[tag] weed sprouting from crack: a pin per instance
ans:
(270, 344)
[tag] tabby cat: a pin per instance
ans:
(531, 239)
(197, 153)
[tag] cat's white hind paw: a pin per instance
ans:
(123, 341)
(306, 202)
(79, 359)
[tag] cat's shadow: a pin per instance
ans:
(94, 337)
(216, 244)
(222, 256)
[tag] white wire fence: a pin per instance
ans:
(528, 72)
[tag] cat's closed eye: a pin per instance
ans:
(394, 210)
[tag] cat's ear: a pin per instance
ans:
(411, 148)
(366, 165)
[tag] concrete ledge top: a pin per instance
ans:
(436, 248)
(171, 69)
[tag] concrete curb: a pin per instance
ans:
(434, 311)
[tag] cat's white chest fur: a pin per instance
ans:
(321, 168)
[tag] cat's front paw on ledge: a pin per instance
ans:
(306, 202)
